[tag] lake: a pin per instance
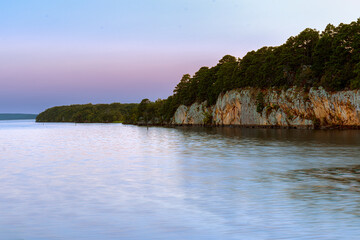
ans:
(114, 181)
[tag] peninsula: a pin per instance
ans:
(310, 81)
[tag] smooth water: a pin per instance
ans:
(110, 181)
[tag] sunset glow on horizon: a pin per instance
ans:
(91, 51)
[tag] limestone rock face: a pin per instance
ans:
(236, 108)
(279, 108)
(196, 114)
(180, 116)
(283, 108)
(338, 108)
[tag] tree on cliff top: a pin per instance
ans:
(330, 59)
(227, 59)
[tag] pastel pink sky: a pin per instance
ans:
(102, 51)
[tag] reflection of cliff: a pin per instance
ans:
(282, 108)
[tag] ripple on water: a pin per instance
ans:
(111, 181)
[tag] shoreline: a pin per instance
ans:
(254, 126)
(300, 127)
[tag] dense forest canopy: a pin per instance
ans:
(330, 59)
(87, 113)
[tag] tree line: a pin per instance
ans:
(88, 113)
(330, 59)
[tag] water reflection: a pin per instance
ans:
(110, 181)
(342, 137)
(339, 185)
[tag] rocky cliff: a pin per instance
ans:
(276, 108)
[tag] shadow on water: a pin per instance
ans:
(342, 137)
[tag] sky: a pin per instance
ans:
(63, 52)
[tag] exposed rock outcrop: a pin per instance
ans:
(280, 108)
(196, 114)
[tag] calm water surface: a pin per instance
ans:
(110, 181)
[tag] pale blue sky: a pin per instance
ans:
(79, 51)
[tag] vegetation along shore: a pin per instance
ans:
(311, 81)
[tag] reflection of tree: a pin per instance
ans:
(335, 188)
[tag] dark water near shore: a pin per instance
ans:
(110, 181)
